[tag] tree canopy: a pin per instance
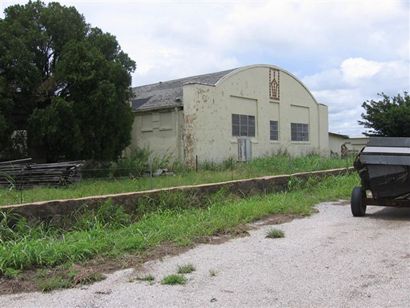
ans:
(388, 117)
(64, 82)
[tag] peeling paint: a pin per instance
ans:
(189, 140)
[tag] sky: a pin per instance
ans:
(345, 52)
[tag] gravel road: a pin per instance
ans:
(328, 259)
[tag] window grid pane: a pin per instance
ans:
(243, 125)
(299, 132)
(274, 133)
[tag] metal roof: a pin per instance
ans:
(168, 94)
(339, 135)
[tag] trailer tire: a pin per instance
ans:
(357, 204)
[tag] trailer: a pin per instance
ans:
(384, 169)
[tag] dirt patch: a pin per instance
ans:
(24, 283)
(91, 271)
(277, 219)
(341, 202)
(222, 237)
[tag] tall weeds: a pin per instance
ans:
(181, 219)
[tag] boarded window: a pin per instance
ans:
(146, 119)
(243, 125)
(299, 132)
(274, 132)
(165, 120)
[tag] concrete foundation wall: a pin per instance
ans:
(60, 208)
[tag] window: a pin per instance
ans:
(299, 132)
(243, 125)
(274, 133)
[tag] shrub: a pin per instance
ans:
(95, 169)
(139, 162)
(135, 164)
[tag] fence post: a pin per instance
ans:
(196, 163)
(150, 170)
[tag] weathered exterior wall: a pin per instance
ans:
(335, 143)
(358, 143)
(208, 116)
(160, 131)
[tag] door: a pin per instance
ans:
(244, 149)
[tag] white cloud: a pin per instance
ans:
(346, 87)
(354, 69)
(345, 51)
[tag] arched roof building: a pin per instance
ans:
(240, 113)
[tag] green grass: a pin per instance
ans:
(209, 173)
(275, 233)
(148, 278)
(113, 233)
(64, 277)
(52, 283)
(174, 279)
(185, 269)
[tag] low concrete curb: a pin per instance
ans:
(59, 208)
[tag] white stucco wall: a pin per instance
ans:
(208, 116)
(358, 143)
(160, 131)
(335, 143)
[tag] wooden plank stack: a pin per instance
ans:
(22, 173)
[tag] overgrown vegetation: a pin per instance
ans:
(208, 173)
(109, 232)
(65, 277)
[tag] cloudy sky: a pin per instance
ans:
(344, 51)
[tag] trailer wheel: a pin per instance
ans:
(357, 204)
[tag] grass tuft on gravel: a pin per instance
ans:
(275, 233)
(148, 278)
(186, 269)
(174, 279)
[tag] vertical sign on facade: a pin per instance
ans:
(274, 80)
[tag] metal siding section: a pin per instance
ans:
(385, 160)
(394, 150)
(389, 142)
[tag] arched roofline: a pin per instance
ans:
(245, 68)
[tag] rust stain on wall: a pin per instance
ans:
(189, 140)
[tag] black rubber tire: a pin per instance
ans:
(357, 204)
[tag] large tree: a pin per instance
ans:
(65, 82)
(389, 116)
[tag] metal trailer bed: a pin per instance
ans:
(384, 169)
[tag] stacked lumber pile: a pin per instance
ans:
(23, 173)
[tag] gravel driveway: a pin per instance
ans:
(328, 259)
